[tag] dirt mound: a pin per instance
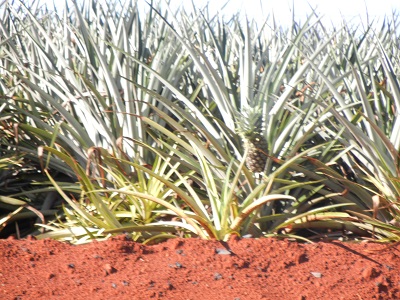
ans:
(198, 269)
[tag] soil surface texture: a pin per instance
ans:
(198, 269)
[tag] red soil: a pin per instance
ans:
(198, 269)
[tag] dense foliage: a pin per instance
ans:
(117, 120)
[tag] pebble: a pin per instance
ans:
(316, 274)
(368, 273)
(221, 251)
(109, 269)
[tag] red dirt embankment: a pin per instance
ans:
(242, 269)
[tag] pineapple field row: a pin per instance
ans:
(163, 124)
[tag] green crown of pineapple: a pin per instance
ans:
(250, 127)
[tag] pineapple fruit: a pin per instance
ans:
(250, 128)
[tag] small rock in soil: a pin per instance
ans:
(108, 269)
(221, 251)
(301, 259)
(125, 283)
(170, 286)
(316, 274)
(368, 273)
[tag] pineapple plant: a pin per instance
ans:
(250, 128)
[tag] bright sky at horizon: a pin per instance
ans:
(332, 10)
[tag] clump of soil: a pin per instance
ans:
(197, 269)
